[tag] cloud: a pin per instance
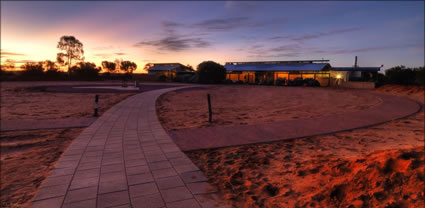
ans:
(107, 55)
(222, 24)
(367, 49)
(175, 42)
(316, 35)
(8, 53)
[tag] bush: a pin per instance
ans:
(85, 71)
(32, 71)
(419, 75)
(400, 75)
(211, 72)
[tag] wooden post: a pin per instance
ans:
(209, 109)
(96, 106)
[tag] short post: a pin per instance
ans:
(96, 106)
(209, 109)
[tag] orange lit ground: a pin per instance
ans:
(378, 166)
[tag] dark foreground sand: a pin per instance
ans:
(381, 166)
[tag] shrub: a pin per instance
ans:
(32, 71)
(419, 75)
(211, 72)
(400, 75)
(85, 71)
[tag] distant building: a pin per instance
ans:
(169, 70)
(269, 72)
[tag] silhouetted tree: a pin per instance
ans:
(9, 64)
(419, 75)
(400, 75)
(109, 66)
(85, 71)
(73, 50)
(51, 70)
(32, 71)
(211, 72)
(50, 66)
(128, 66)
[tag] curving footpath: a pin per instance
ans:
(126, 159)
(391, 108)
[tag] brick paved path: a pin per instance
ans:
(126, 159)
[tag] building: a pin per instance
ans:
(282, 72)
(169, 70)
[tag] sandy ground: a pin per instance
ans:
(32, 154)
(244, 104)
(381, 166)
(19, 103)
(28, 156)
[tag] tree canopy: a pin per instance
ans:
(109, 66)
(72, 50)
(211, 72)
(128, 66)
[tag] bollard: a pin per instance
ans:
(209, 109)
(96, 106)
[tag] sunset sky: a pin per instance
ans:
(389, 33)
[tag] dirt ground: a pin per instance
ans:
(19, 103)
(28, 156)
(244, 104)
(33, 155)
(380, 166)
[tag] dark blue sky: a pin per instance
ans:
(389, 33)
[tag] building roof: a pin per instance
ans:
(162, 68)
(276, 67)
(355, 68)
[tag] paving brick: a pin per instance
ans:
(159, 165)
(201, 188)
(186, 168)
(195, 176)
(164, 173)
(155, 158)
(86, 173)
(84, 182)
(54, 181)
(112, 176)
(62, 172)
(91, 203)
(113, 199)
(112, 186)
(169, 182)
(176, 194)
(140, 178)
(135, 162)
(112, 168)
(148, 201)
(143, 189)
(50, 203)
(138, 170)
(188, 203)
(81, 194)
(111, 161)
(87, 166)
(50, 192)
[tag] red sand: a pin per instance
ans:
(349, 169)
(18, 103)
